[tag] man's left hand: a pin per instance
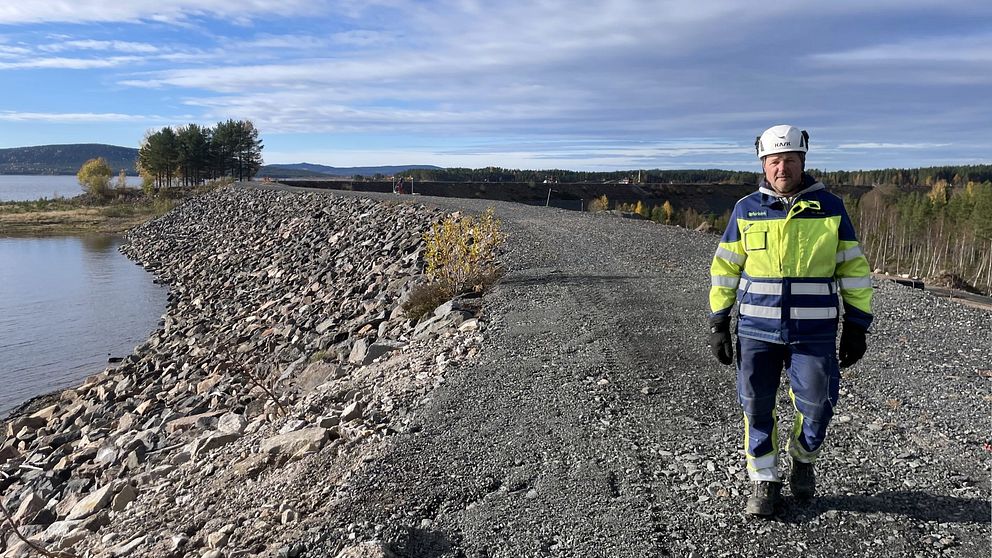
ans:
(852, 344)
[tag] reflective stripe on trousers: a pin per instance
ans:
(814, 377)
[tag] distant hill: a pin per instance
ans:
(303, 170)
(65, 159)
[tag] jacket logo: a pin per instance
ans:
(757, 213)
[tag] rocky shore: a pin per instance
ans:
(283, 361)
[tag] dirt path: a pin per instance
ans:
(595, 422)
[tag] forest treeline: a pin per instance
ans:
(64, 158)
(192, 153)
(942, 233)
(928, 176)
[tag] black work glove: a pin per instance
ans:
(852, 344)
(720, 343)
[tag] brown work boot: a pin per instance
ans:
(767, 496)
(802, 480)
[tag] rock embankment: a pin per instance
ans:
(283, 361)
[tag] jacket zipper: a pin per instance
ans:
(781, 239)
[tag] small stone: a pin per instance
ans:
(232, 423)
(358, 351)
(218, 539)
(30, 506)
(72, 538)
(380, 348)
(296, 444)
(212, 441)
(60, 529)
(366, 550)
(289, 516)
(106, 455)
(124, 497)
(179, 541)
(292, 426)
(145, 405)
(92, 503)
(352, 411)
(128, 547)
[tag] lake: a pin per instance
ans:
(66, 304)
(17, 187)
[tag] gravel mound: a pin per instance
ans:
(284, 359)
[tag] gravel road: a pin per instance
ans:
(595, 422)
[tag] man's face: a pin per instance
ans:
(784, 171)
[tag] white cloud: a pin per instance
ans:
(957, 48)
(69, 63)
(882, 145)
(69, 117)
(468, 69)
(291, 42)
(364, 38)
(9, 51)
(89, 44)
(164, 11)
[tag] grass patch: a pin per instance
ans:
(88, 214)
(44, 204)
(318, 357)
(119, 211)
(423, 299)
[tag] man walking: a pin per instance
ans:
(788, 250)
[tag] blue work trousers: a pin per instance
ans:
(814, 378)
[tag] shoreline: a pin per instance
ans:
(86, 220)
(310, 358)
(82, 215)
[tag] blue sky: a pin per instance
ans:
(619, 84)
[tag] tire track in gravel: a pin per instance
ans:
(595, 422)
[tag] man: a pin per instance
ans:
(787, 251)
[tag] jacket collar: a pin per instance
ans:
(770, 196)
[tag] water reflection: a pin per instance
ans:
(66, 303)
(100, 243)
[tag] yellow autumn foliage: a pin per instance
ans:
(462, 252)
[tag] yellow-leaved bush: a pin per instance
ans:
(462, 252)
(462, 255)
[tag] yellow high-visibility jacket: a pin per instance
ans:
(785, 261)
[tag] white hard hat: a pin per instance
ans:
(781, 139)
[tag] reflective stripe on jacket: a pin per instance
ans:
(785, 261)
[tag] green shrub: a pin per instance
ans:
(162, 206)
(118, 210)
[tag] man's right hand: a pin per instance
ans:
(720, 342)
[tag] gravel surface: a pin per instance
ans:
(595, 422)
(574, 410)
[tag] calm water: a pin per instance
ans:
(65, 304)
(16, 187)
